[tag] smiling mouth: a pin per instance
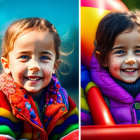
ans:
(33, 78)
(129, 70)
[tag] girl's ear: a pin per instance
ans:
(97, 54)
(56, 65)
(5, 65)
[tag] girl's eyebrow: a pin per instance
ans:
(47, 52)
(122, 47)
(137, 47)
(24, 52)
(118, 47)
(43, 52)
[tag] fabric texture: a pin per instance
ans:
(19, 114)
(85, 76)
(86, 118)
(132, 88)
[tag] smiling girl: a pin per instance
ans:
(33, 103)
(116, 68)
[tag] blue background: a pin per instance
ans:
(64, 15)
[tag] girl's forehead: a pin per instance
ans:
(129, 32)
(128, 38)
(35, 34)
(35, 37)
(34, 40)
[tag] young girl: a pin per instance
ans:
(117, 49)
(33, 103)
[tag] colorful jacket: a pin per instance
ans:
(86, 118)
(19, 117)
(124, 108)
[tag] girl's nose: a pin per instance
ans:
(34, 66)
(130, 61)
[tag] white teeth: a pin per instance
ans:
(33, 79)
(129, 70)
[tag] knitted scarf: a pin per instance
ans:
(19, 98)
(132, 88)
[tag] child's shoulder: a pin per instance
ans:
(67, 100)
(64, 95)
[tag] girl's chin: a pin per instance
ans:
(129, 78)
(129, 81)
(33, 91)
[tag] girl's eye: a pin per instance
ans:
(24, 57)
(44, 58)
(119, 52)
(137, 51)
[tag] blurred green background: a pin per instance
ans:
(64, 14)
(132, 4)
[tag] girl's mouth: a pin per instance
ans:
(33, 78)
(129, 69)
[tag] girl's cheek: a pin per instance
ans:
(116, 68)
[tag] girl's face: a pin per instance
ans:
(32, 60)
(124, 58)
